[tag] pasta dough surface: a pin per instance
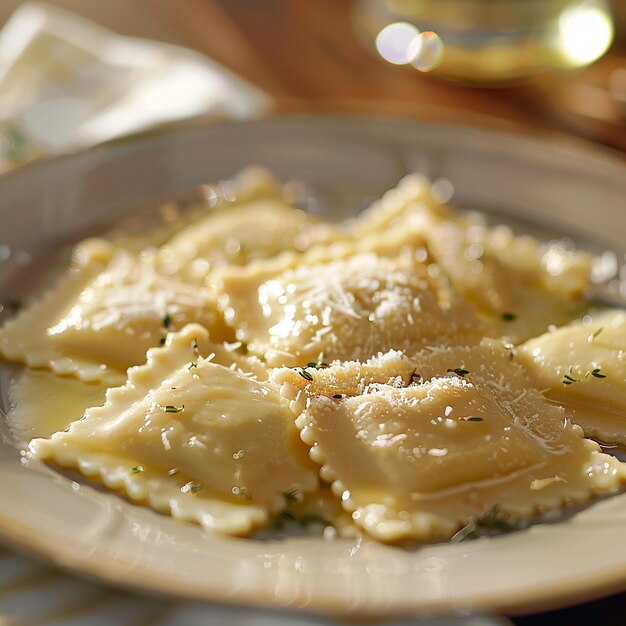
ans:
(420, 461)
(239, 234)
(144, 229)
(344, 309)
(518, 285)
(209, 443)
(129, 307)
(250, 349)
(25, 338)
(583, 367)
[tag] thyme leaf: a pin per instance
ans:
(302, 372)
(596, 373)
(304, 520)
(193, 486)
(459, 371)
(313, 518)
(292, 495)
(595, 334)
(170, 408)
(486, 523)
(508, 317)
(320, 364)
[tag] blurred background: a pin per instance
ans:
(539, 66)
(545, 65)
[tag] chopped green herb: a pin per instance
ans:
(508, 317)
(307, 519)
(167, 320)
(170, 408)
(302, 372)
(473, 419)
(193, 486)
(490, 521)
(596, 373)
(459, 371)
(568, 380)
(14, 305)
(279, 521)
(594, 335)
(162, 341)
(194, 347)
(313, 518)
(292, 495)
(191, 366)
(137, 469)
(337, 396)
(319, 364)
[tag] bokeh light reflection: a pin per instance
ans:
(585, 34)
(398, 43)
(430, 52)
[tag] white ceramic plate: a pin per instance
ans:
(344, 161)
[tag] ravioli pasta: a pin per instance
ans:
(583, 367)
(517, 285)
(206, 441)
(266, 368)
(25, 338)
(419, 457)
(349, 308)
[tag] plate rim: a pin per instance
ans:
(135, 577)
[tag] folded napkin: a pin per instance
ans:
(67, 83)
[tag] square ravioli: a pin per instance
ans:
(208, 443)
(349, 308)
(338, 379)
(145, 229)
(129, 307)
(413, 197)
(582, 366)
(518, 285)
(465, 435)
(25, 338)
(106, 312)
(236, 235)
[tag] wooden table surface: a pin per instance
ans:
(306, 55)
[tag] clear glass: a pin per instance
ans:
(493, 41)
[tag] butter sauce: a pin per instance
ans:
(41, 403)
